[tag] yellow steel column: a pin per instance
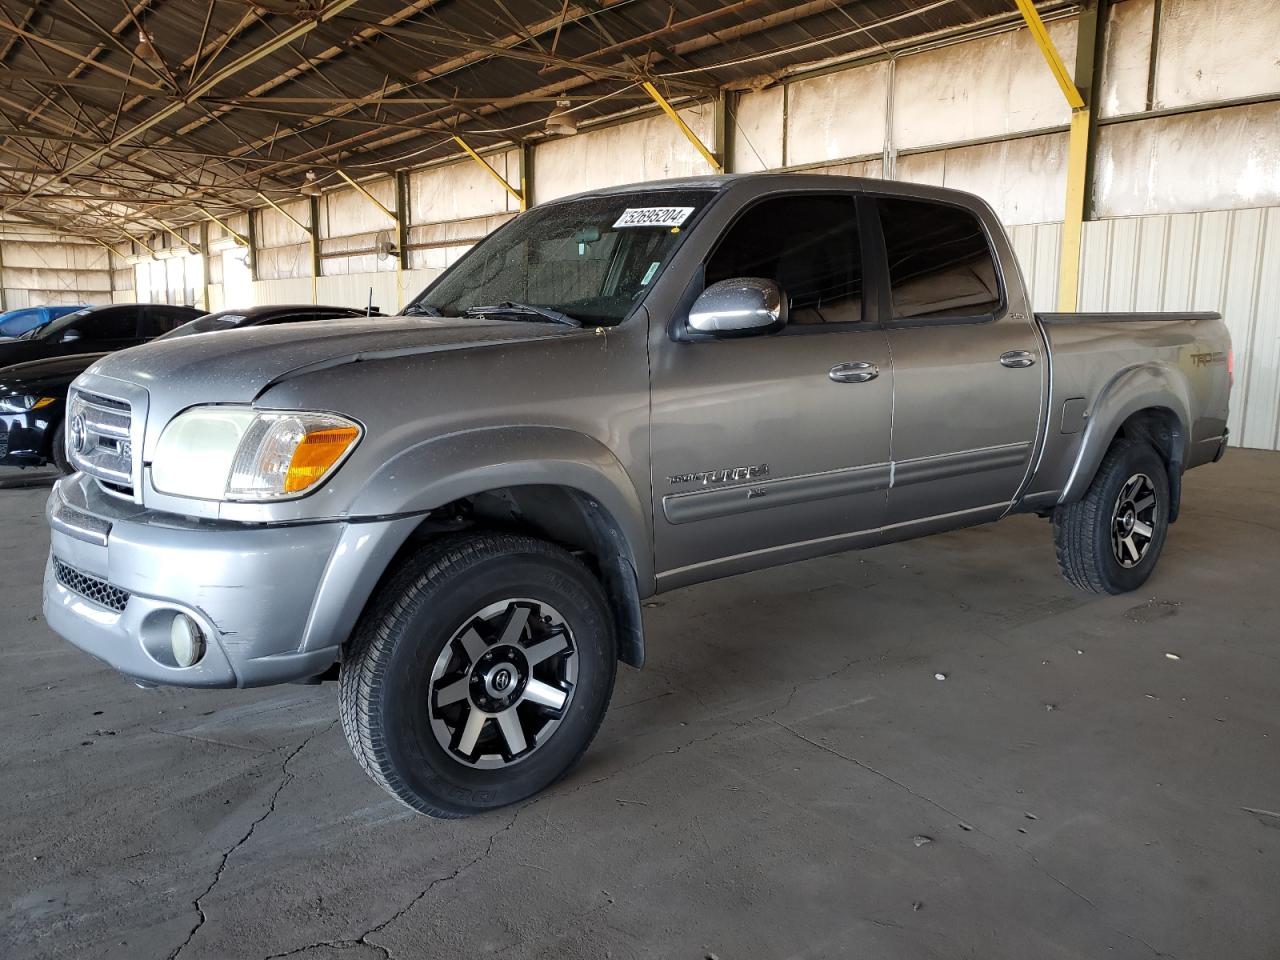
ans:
(1077, 159)
(1073, 222)
(670, 111)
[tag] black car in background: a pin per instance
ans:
(33, 395)
(95, 330)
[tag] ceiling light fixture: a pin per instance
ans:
(560, 121)
(310, 188)
(146, 50)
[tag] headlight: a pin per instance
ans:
(238, 453)
(21, 404)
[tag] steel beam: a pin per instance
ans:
(198, 90)
(489, 170)
(314, 207)
(370, 197)
(243, 241)
(670, 111)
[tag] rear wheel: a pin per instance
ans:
(479, 675)
(1109, 541)
(58, 453)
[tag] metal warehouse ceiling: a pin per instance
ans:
(116, 115)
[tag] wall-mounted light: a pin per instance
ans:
(560, 121)
(310, 188)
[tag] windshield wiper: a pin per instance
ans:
(524, 309)
(421, 310)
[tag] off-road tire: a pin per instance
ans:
(1082, 531)
(386, 671)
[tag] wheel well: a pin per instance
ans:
(564, 516)
(1160, 427)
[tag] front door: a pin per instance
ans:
(967, 362)
(774, 447)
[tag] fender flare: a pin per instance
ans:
(444, 469)
(1154, 385)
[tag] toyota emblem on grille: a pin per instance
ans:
(79, 436)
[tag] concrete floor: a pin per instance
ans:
(761, 790)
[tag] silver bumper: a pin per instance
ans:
(275, 603)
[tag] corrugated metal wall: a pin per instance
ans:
(1223, 260)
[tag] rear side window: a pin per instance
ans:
(809, 245)
(164, 319)
(115, 323)
(940, 263)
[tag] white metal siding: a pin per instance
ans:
(1223, 260)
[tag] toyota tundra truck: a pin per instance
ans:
(458, 512)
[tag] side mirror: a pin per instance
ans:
(740, 307)
(70, 336)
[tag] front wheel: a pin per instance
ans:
(1110, 540)
(58, 450)
(479, 674)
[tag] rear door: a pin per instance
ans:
(967, 362)
(760, 453)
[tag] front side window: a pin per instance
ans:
(808, 245)
(114, 323)
(940, 261)
(589, 259)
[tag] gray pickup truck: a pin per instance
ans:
(458, 512)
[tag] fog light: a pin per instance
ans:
(186, 640)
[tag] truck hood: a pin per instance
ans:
(237, 365)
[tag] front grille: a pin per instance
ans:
(91, 588)
(100, 439)
(4, 440)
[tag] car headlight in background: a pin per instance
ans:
(238, 453)
(23, 404)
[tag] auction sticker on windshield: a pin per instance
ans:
(653, 216)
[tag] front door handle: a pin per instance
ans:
(857, 372)
(1017, 358)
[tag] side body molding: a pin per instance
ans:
(1145, 386)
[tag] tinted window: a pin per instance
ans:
(166, 318)
(940, 263)
(809, 245)
(113, 323)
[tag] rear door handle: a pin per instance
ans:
(857, 372)
(1017, 358)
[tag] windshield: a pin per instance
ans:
(206, 324)
(51, 329)
(589, 259)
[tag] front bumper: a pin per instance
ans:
(275, 603)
